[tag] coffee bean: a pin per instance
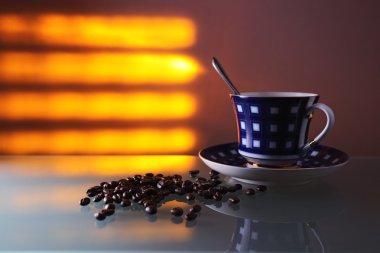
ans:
(108, 192)
(91, 192)
(187, 183)
(179, 191)
(222, 189)
(147, 181)
(234, 188)
(108, 186)
(99, 216)
(116, 198)
(190, 196)
(150, 191)
(85, 201)
(142, 200)
(127, 195)
(195, 208)
(177, 177)
(215, 182)
(107, 200)
(250, 191)
(261, 188)
(125, 203)
(110, 206)
(149, 202)
(234, 200)
(98, 197)
(102, 184)
(114, 183)
(137, 177)
(188, 189)
(193, 173)
(151, 209)
(217, 196)
(108, 212)
(213, 173)
(177, 211)
(201, 179)
(136, 198)
(123, 182)
(149, 174)
(191, 216)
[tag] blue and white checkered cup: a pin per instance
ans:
(273, 126)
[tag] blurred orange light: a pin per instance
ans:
(95, 106)
(131, 141)
(98, 31)
(95, 166)
(98, 68)
(161, 232)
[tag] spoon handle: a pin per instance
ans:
(224, 76)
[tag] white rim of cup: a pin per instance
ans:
(276, 94)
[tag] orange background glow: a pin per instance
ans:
(136, 109)
(99, 166)
(97, 68)
(111, 50)
(103, 141)
(89, 106)
(99, 31)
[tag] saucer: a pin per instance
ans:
(317, 162)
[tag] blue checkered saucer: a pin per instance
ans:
(317, 162)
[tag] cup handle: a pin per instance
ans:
(329, 124)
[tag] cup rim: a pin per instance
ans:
(277, 94)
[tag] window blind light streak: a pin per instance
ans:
(98, 68)
(138, 32)
(146, 106)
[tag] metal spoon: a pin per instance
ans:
(224, 76)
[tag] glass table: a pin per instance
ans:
(40, 210)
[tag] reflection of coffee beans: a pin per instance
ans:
(234, 200)
(177, 211)
(125, 203)
(235, 188)
(261, 188)
(148, 191)
(191, 216)
(250, 191)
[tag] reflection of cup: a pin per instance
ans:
(283, 218)
(273, 126)
(290, 204)
(253, 236)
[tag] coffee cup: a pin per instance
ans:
(273, 126)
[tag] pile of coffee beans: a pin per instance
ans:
(150, 191)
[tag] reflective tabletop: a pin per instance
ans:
(40, 209)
